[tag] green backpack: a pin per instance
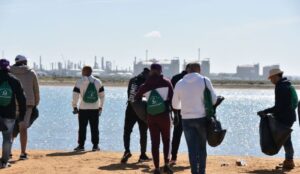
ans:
(155, 104)
(6, 94)
(294, 97)
(208, 104)
(91, 94)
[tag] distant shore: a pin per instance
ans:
(62, 162)
(124, 83)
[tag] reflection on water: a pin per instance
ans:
(56, 128)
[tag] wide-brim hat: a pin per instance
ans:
(274, 72)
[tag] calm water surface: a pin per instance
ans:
(56, 128)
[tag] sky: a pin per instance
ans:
(229, 32)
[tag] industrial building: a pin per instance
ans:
(169, 67)
(266, 70)
(248, 72)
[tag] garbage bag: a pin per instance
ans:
(34, 116)
(215, 133)
(272, 135)
(140, 108)
(299, 113)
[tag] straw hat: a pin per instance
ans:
(273, 72)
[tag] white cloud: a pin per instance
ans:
(153, 34)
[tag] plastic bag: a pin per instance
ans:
(272, 135)
(215, 133)
(140, 108)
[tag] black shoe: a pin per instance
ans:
(23, 156)
(168, 170)
(156, 171)
(95, 148)
(4, 165)
(125, 157)
(79, 149)
(144, 158)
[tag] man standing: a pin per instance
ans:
(177, 132)
(91, 94)
(131, 118)
(284, 110)
(11, 91)
(159, 92)
(29, 81)
(188, 96)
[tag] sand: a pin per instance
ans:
(60, 162)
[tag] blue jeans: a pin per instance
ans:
(7, 138)
(195, 135)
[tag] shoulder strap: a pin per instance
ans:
(205, 82)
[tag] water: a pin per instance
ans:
(56, 128)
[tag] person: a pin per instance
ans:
(283, 111)
(29, 81)
(131, 118)
(11, 91)
(177, 131)
(90, 92)
(158, 92)
(299, 112)
(189, 97)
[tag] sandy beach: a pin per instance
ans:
(48, 162)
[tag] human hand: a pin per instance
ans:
(75, 110)
(261, 113)
(176, 118)
(100, 112)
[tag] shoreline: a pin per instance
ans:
(222, 84)
(49, 161)
(216, 85)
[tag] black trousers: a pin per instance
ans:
(85, 117)
(177, 133)
(130, 119)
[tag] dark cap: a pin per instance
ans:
(156, 66)
(4, 64)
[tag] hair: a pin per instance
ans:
(88, 70)
(21, 63)
(280, 75)
(193, 67)
(146, 70)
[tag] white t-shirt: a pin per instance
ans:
(188, 96)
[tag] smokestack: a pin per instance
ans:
(102, 63)
(41, 67)
(146, 55)
(199, 55)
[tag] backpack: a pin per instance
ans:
(91, 94)
(6, 94)
(294, 97)
(155, 104)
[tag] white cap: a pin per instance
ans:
(20, 58)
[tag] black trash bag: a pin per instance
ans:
(2, 126)
(299, 113)
(140, 108)
(34, 116)
(272, 135)
(215, 133)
